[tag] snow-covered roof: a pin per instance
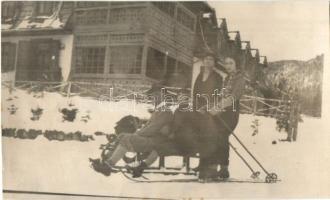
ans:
(25, 20)
(245, 45)
(263, 60)
(207, 15)
(42, 22)
(232, 35)
(254, 52)
(6, 26)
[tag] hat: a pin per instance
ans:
(209, 53)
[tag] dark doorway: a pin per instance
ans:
(38, 60)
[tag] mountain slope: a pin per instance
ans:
(304, 76)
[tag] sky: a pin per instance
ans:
(281, 30)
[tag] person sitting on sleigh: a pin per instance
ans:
(154, 138)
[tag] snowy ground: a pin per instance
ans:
(54, 166)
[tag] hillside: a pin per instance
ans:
(305, 76)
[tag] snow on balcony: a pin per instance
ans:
(40, 22)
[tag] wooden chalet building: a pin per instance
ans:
(127, 43)
(112, 42)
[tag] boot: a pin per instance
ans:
(208, 173)
(224, 173)
(138, 171)
(101, 167)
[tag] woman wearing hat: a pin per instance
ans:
(203, 139)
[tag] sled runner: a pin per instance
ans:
(196, 180)
(145, 179)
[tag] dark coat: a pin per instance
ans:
(159, 125)
(195, 133)
(206, 88)
(155, 135)
(235, 86)
(227, 120)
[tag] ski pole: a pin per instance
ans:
(241, 143)
(247, 150)
(271, 177)
(255, 174)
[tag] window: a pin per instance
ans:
(166, 7)
(7, 11)
(125, 60)
(155, 64)
(90, 60)
(8, 51)
(186, 71)
(91, 17)
(45, 8)
(185, 19)
(170, 69)
(124, 15)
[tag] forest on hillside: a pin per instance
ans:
(305, 77)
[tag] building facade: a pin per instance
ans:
(129, 43)
(112, 42)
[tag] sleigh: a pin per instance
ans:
(185, 168)
(131, 160)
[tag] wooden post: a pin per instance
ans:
(296, 121)
(254, 105)
(294, 133)
(165, 64)
(161, 162)
(15, 64)
(144, 56)
(291, 121)
(187, 163)
(11, 86)
(69, 90)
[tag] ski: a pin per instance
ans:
(191, 180)
(196, 180)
